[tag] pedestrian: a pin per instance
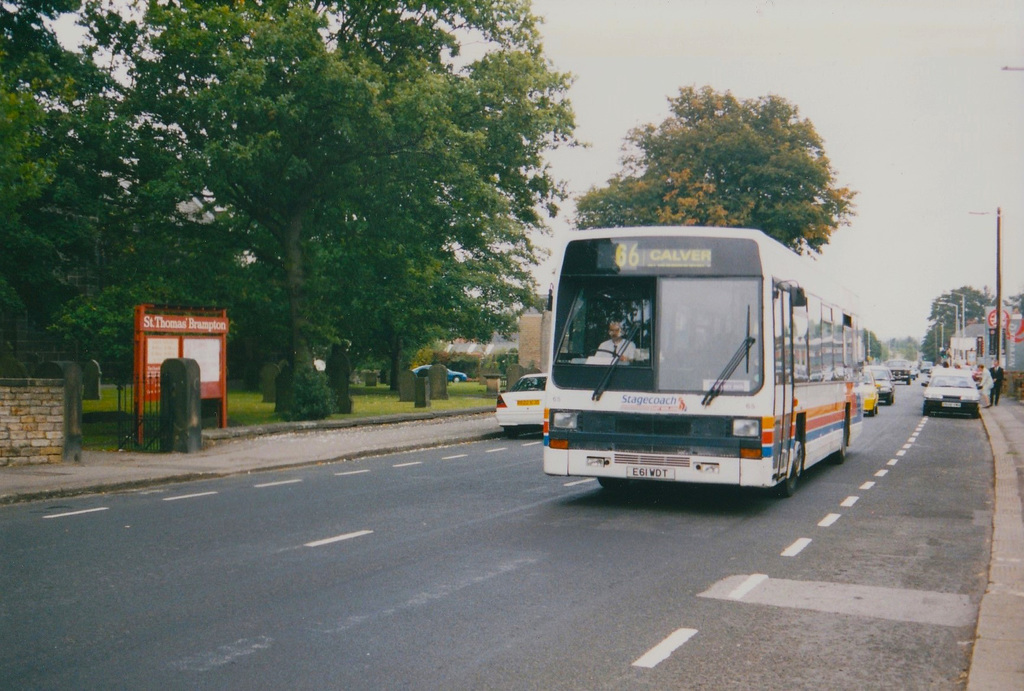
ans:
(985, 385)
(997, 382)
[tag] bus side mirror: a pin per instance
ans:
(797, 297)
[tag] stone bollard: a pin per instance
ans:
(181, 423)
(71, 374)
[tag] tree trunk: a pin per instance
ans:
(295, 277)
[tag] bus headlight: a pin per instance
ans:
(745, 427)
(563, 419)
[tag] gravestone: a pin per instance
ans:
(91, 380)
(338, 371)
(10, 368)
(406, 386)
(422, 393)
(438, 378)
(370, 378)
(268, 381)
(513, 374)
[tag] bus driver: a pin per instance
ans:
(616, 347)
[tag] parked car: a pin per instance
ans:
(453, 376)
(900, 370)
(953, 392)
(521, 408)
(884, 383)
(864, 386)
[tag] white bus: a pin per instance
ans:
(733, 363)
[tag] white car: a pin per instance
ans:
(953, 392)
(521, 408)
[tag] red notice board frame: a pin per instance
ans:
(163, 332)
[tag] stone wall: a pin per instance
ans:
(31, 421)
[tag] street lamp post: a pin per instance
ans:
(999, 277)
(956, 316)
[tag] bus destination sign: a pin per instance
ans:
(632, 256)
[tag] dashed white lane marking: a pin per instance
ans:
(661, 651)
(532, 443)
(406, 465)
(460, 455)
(894, 604)
(881, 473)
(500, 448)
(829, 520)
(337, 538)
(867, 485)
(901, 452)
(893, 461)
(76, 513)
(797, 547)
(849, 501)
(189, 496)
(580, 482)
(353, 472)
(279, 482)
(907, 446)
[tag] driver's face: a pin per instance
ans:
(614, 330)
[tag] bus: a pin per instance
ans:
(697, 355)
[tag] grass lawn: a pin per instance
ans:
(246, 408)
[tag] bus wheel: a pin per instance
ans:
(613, 484)
(787, 488)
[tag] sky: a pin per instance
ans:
(916, 113)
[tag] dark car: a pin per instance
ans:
(453, 376)
(900, 370)
(884, 382)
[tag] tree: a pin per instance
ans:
(946, 309)
(719, 161)
(344, 124)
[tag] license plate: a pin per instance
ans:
(651, 473)
(950, 404)
(528, 403)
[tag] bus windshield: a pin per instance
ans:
(681, 331)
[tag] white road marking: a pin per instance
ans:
(500, 448)
(849, 501)
(797, 547)
(829, 520)
(867, 485)
(461, 455)
(893, 461)
(751, 582)
(353, 472)
(279, 482)
(188, 496)
(881, 473)
(406, 465)
(76, 513)
(580, 482)
(532, 443)
(337, 538)
(901, 452)
(893, 604)
(661, 651)
(907, 445)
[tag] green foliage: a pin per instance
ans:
(944, 313)
(719, 161)
(313, 398)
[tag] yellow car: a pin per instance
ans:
(867, 390)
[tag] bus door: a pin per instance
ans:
(786, 296)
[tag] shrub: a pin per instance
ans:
(312, 398)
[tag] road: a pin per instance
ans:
(465, 567)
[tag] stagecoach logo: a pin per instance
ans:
(653, 404)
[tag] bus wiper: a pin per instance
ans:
(730, 367)
(603, 386)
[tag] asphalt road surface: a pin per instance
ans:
(465, 567)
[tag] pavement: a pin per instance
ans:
(998, 654)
